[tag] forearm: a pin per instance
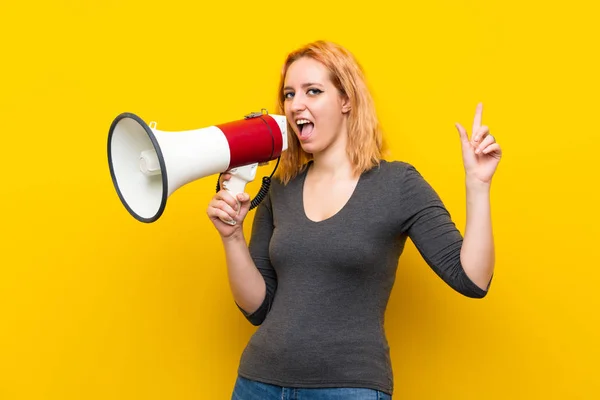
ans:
(478, 254)
(246, 283)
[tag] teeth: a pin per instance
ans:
(302, 121)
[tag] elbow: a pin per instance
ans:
(476, 295)
(472, 290)
(256, 319)
(258, 316)
(257, 322)
(467, 286)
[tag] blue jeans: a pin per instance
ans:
(246, 389)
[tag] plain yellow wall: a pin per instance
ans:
(95, 305)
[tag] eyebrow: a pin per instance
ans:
(304, 85)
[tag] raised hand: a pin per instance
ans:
(481, 153)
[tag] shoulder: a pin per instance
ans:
(396, 170)
(394, 166)
(402, 178)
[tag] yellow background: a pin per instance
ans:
(95, 305)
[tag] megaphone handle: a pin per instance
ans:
(237, 183)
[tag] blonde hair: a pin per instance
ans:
(365, 138)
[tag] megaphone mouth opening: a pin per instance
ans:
(134, 190)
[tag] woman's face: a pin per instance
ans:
(313, 106)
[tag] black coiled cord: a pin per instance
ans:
(262, 192)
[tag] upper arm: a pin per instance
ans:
(434, 234)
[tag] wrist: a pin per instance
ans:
(475, 184)
(236, 237)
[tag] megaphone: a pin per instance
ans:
(147, 165)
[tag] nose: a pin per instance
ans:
(298, 104)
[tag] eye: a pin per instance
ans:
(314, 92)
(288, 95)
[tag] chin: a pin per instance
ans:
(309, 147)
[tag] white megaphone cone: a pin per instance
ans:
(147, 165)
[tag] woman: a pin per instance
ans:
(321, 261)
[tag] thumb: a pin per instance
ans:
(464, 139)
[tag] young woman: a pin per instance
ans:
(321, 261)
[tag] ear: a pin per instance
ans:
(345, 104)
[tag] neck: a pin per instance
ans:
(333, 163)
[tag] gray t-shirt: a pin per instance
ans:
(328, 282)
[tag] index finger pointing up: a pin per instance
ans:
(477, 119)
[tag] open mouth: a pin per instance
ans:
(305, 127)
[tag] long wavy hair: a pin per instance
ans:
(365, 137)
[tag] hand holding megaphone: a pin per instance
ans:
(227, 210)
(147, 165)
(236, 180)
